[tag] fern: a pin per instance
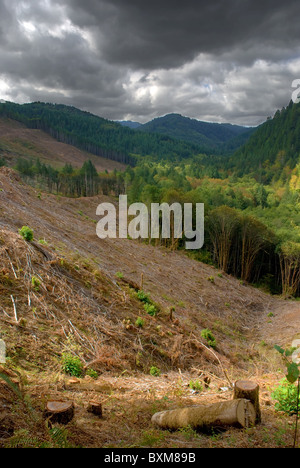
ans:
(59, 437)
(11, 385)
(22, 439)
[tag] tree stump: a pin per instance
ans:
(59, 412)
(237, 413)
(249, 391)
(95, 408)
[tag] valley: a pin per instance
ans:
(86, 304)
(149, 326)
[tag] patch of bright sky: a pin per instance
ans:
(4, 90)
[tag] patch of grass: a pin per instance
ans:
(119, 275)
(43, 242)
(196, 385)
(151, 438)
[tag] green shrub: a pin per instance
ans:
(139, 322)
(72, 365)
(43, 242)
(209, 337)
(35, 283)
(149, 306)
(286, 396)
(119, 275)
(155, 371)
(143, 297)
(150, 309)
(26, 233)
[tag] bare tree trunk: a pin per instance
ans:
(239, 413)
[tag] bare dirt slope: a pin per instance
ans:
(284, 327)
(197, 291)
(16, 141)
(69, 291)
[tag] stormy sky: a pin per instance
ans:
(220, 60)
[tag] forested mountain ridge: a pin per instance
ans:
(217, 137)
(274, 148)
(97, 135)
(129, 123)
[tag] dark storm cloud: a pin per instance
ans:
(168, 33)
(226, 60)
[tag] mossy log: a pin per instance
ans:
(250, 391)
(237, 413)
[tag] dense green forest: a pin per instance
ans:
(252, 199)
(274, 148)
(97, 135)
(219, 138)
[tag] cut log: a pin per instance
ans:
(95, 408)
(237, 413)
(59, 412)
(249, 391)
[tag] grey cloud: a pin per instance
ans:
(164, 34)
(226, 60)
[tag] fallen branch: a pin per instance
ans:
(219, 361)
(12, 267)
(15, 308)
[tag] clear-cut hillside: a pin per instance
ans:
(18, 141)
(69, 291)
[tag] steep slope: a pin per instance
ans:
(16, 140)
(273, 149)
(61, 294)
(69, 228)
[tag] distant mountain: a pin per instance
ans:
(129, 124)
(273, 149)
(96, 135)
(213, 136)
(172, 137)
